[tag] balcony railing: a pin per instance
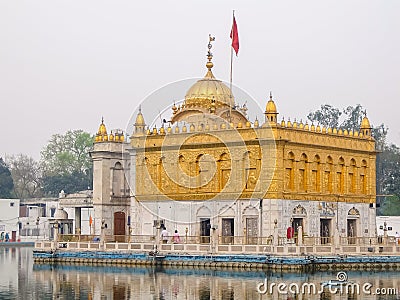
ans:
(232, 240)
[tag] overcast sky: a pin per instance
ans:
(65, 64)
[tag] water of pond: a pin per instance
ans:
(21, 279)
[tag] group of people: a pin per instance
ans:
(4, 237)
(176, 239)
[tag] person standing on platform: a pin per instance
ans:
(164, 235)
(176, 238)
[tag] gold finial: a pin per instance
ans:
(209, 64)
(174, 109)
(256, 123)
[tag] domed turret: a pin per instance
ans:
(365, 127)
(102, 132)
(271, 113)
(140, 124)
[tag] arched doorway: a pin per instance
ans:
(119, 226)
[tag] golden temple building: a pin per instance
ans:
(212, 169)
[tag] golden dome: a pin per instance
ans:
(365, 123)
(139, 118)
(207, 89)
(271, 107)
(102, 128)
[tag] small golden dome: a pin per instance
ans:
(335, 130)
(162, 130)
(111, 137)
(324, 129)
(116, 137)
(248, 124)
(184, 128)
(330, 130)
(318, 128)
(155, 130)
(365, 123)
(169, 129)
(121, 138)
(215, 126)
(239, 125)
(105, 138)
(102, 128)
(351, 133)
(306, 127)
(345, 132)
(140, 119)
(356, 133)
(207, 127)
(283, 123)
(148, 132)
(271, 107)
(223, 126)
(340, 132)
(256, 123)
(177, 129)
(289, 124)
(192, 127)
(312, 127)
(295, 124)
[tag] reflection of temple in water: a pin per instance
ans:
(145, 283)
(94, 282)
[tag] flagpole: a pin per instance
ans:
(230, 79)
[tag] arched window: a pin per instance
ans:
(352, 176)
(224, 167)
(328, 176)
(250, 171)
(303, 173)
(340, 176)
(316, 174)
(363, 177)
(289, 172)
(118, 180)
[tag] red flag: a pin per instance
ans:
(235, 36)
(90, 220)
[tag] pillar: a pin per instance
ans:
(78, 220)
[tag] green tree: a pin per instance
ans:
(327, 116)
(69, 183)
(6, 181)
(390, 207)
(66, 162)
(348, 118)
(26, 175)
(353, 116)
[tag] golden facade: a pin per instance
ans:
(211, 150)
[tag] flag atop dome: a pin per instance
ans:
(235, 36)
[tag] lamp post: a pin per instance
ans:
(37, 228)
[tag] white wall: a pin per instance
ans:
(391, 221)
(9, 213)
